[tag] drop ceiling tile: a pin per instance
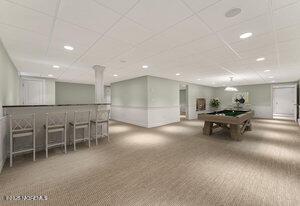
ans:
(215, 15)
(276, 4)
(61, 57)
(268, 50)
(37, 68)
(18, 16)
(289, 53)
(129, 31)
(45, 6)
(117, 5)
(104, 50)
(257, 26)
(202, 45)
(197, 5)
(287, 16)
(186, 31)
(23, 43)
(219, 55)
(25, 51)
(157, 15)
(69, 34)
(255, 43)
(87, 14)
(288, 33)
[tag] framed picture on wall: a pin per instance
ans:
(200, 104)
(240, 95)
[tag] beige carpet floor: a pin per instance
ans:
(169, 165)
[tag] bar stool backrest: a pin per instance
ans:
(102, 115)
(56, 119)
(22, 122)
(82, 117)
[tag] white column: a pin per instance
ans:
(99, 85)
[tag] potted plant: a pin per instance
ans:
(214, 103)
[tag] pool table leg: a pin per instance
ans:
(235, 132)
(207, 129)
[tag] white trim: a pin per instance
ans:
(146, 116)
(22, 97)
(288, 85)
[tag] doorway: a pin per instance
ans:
(32, 91)
(183, 101)
(285, 102)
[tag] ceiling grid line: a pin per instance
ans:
(212, 30)
(53, 26)
(99, 38)
(270, 14)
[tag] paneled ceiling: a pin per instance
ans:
(192, 38)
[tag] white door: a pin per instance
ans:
(32, 91)
(285, 102)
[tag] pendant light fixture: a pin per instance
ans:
(231, 89)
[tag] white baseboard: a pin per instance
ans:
(263, 112)
(132, 115)
(146, 117)
(158, 116)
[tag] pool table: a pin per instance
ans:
(237, 121)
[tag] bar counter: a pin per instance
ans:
(40, 115)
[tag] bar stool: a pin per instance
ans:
(102, 117)
(56, 122)
(81, 121)
(21, 126)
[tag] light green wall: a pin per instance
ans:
(198, 91)
(146, 91)
(259, 95)
(9, 79)
(130, 93)
(162, 92)
(70, 93)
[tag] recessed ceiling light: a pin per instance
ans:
(260, 59)
(145, 66)
(271, 77)
(56, 66)
(267, 70)
(177, 74)
(115, 75)
(233, 12)
(198, 79)
(246, 35)
(70, 48)
(50, 75)
(273, 81)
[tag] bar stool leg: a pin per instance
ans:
(46, 142)
(74, 137)
(89, 134)
(34, 145)
(107, 123)
(65, 138)
(101, 133)
(96, 133)
(10, 150)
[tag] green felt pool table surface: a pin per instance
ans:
(231, 113)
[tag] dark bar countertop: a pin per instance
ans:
(54, 105)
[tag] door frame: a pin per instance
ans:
(288, 85)
(22, 93)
